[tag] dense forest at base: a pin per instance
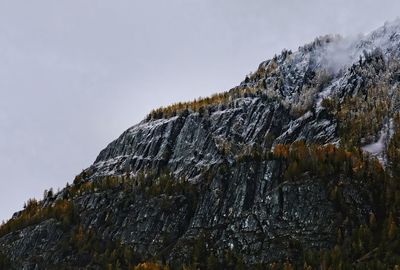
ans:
(373, 245)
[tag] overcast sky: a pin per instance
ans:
(76, 74)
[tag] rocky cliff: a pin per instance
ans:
(295, 167)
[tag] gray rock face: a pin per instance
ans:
(247, 210)
(189, 144)
(241, 205)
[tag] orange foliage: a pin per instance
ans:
(150, 266)
(281, 151)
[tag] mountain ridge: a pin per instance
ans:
(277, 172)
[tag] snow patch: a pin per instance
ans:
(378, 148)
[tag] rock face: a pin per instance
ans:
(238, 203)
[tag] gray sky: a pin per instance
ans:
(75, 74)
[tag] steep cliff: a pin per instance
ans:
(295, 167)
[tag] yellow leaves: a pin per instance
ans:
(31, 205)
(62, 205)
(195, 105)
(201, 103)
(86, 186)
(150, 266)
(327, 160)
(272, 67)
(363, 115)
(34, 213)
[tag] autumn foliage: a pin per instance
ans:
(200, 104)
(35, 213)
(150, 266)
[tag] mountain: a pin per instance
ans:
(295, 168)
